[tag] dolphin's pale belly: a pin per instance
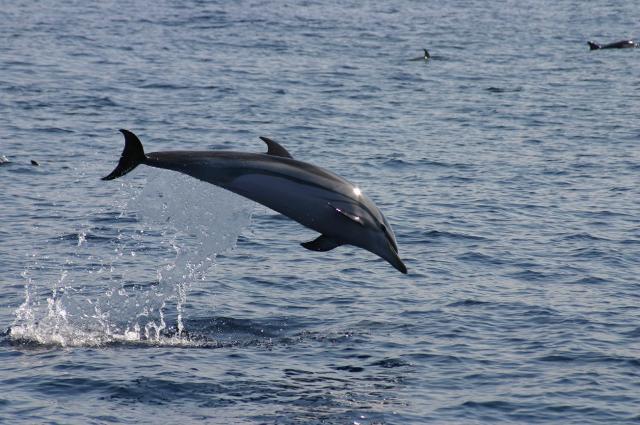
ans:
(309, 205)
(312, 196)
(306, 197)
(309, 195)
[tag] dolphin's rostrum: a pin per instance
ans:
(312, 196)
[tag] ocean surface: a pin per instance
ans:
(508, 166)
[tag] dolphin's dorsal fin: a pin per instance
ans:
(274, 148)
(321, 243)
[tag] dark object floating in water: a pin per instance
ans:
(493, 89)
(424, 57)
(622, 44)
(4, 160)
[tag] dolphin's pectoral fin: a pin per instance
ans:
(275, 148)
(322, 243)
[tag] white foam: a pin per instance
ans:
(183, 224)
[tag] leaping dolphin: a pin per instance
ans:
(312, 196)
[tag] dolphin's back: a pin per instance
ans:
(221, 168)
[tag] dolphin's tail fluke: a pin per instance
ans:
(132, 156)
(593, 46)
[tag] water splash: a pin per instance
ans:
(170, 230)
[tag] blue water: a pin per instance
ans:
(508, 166)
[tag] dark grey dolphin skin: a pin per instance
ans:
(312, 196)
(424, 57)
(622, 44)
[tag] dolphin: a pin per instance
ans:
(312, 196)
(623, 44)
(424, 57)
(5, 160)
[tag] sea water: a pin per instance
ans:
(508, 166)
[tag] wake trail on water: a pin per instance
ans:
(123, 279)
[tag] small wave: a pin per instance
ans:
(113, 217)
(602, 214)
(477, 257)
(436, 358)
(533, 141)
(583, 237)
(590, 280)
(490, 404)
(397, 162)
(389, 363)
(436, 234)
(400, 163)
(54, 130)
(588, 252)
(456, 179)
(529, 275)
(467, 303)
(493, 89)
(350, 368)
(81, 237)
(586, 166)
(214, 333)
(590, 357)
(231, 328)
(70, 336)
(634, 333)
(557, 358)
(630, 242)
(165, 86)
(554, 172)
(87, 101)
